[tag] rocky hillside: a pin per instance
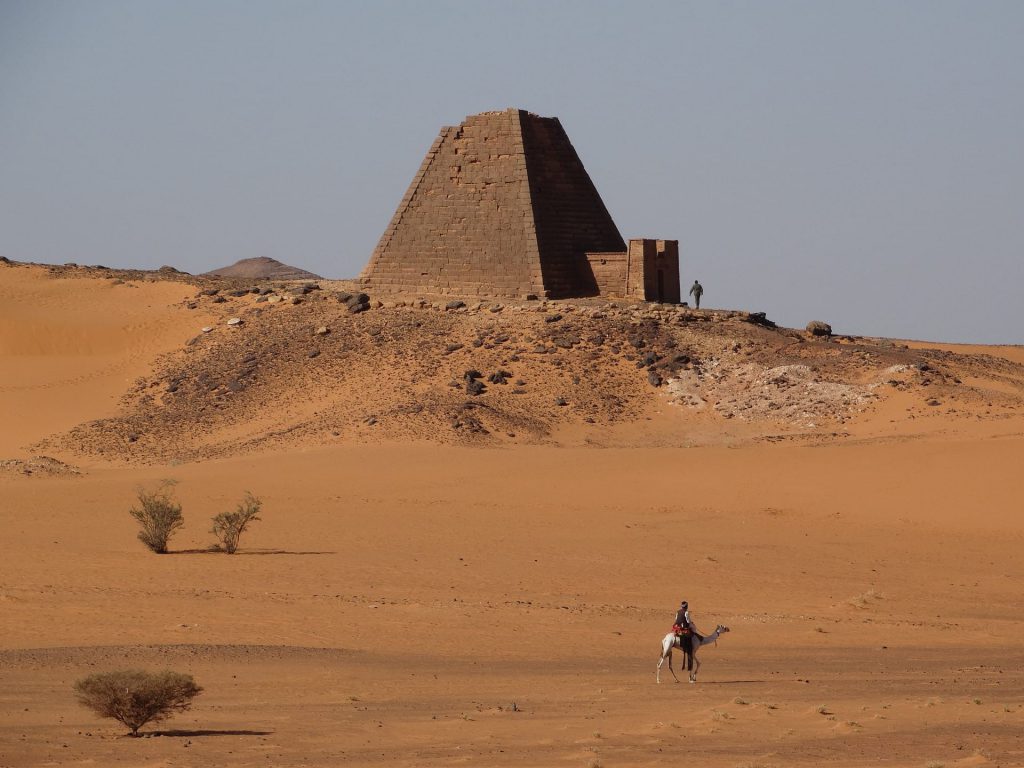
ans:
(311, 365)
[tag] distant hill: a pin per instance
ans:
(264, 268)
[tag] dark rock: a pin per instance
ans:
(314, 353)
(540, 349)
(597, 340)
(638, 342)
(357, 298)
(296, 299)
(649, 359)
(561, 401)
(455, 384)
(219, 300)
(355, 309)
(192, 305)
(565, 341)
(520, 383)
(552, 318)
(266, 291)
(452, 348)
(209, 292)
(471, 374)
(239, 292)
(818, 328)
(478, 342)
(681, 359)
(455, 304)
(759, 318)
(475, 387)
(518, 391)
(654, 378)
(168, 268)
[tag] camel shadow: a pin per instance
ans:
(208, 732)
(731, 682)
(216, 551)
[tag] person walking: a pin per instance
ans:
(696, 290)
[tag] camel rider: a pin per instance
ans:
(683, 625)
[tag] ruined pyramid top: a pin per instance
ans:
(262, 267)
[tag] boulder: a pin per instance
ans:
(818, 328)
(475, 387)
(455, 305)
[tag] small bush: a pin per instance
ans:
(159, 515)
(228, 527)
(135, 697)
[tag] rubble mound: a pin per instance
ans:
(315, 365)
(262, 268)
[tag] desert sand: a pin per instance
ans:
(434, 583)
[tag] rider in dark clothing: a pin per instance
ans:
(685, 630)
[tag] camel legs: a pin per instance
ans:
(665, 654)
(696, 667)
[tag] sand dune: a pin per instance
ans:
(405, 589)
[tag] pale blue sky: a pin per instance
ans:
(855, 162)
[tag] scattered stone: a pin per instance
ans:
(296, 299)
(274, 299)
(471, 374)
(451, 305)
(561, 401)
(209, 292)
(475, 387)
(235, 321)
(323, 330)
(654, 378)
(818, 328)
(452, 348)
(314, 353)
(552, 318)
(192, 305)
(759, 318)
(262, 299)
(219, 300)
(239, 293)
(207, 329)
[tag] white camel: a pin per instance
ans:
(672, 640)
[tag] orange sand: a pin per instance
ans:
(396, 600)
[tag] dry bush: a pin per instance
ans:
(159, 515)
(135, 697)
(228, 527)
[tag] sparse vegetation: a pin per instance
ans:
(740, 700)
(159, 515)
(228, 527)
(135, 697)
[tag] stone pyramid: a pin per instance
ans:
(501, 206)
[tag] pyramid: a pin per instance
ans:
(501, 206)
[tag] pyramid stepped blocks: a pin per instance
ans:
(502, 206)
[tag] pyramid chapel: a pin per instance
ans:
(502, 206)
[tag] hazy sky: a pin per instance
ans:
(860, 163)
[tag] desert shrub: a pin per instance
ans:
(135, 697)
(159, 515)
(228, 527)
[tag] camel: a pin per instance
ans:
(671, 640)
